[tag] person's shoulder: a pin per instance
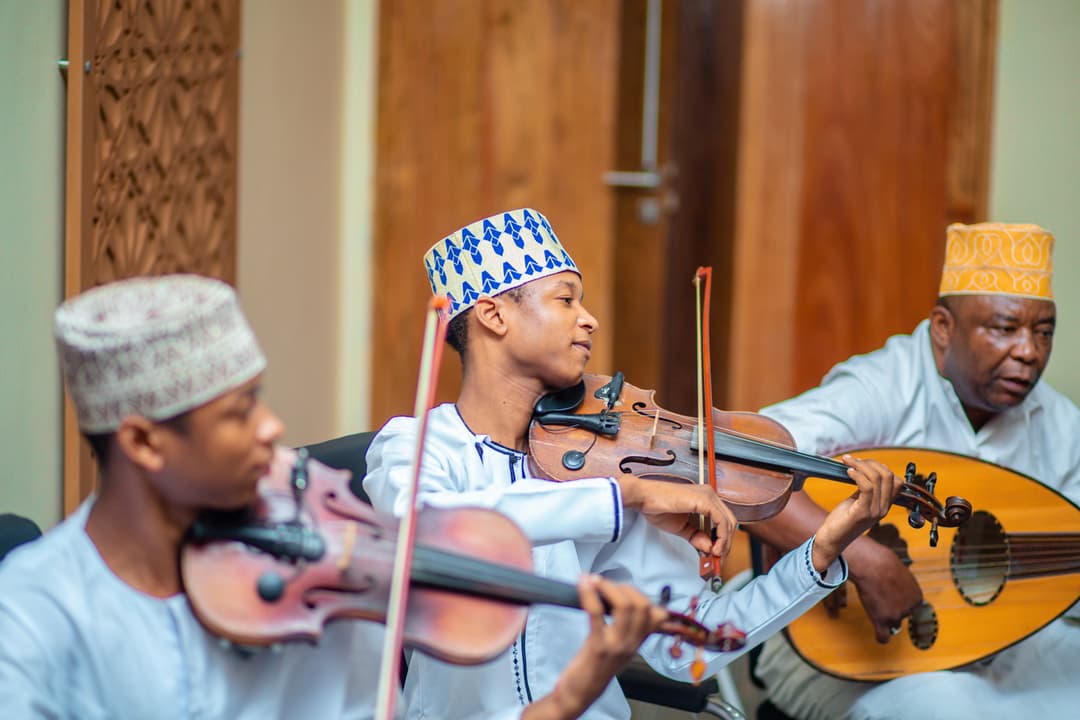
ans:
(899, 355)
(445, 427)
(43, 587)
(40, 563)
(901, 345)
(448, 439)
(1056, 404)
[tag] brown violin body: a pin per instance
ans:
(666, 454)
(309, 552)
(605, 426)
(228, 581)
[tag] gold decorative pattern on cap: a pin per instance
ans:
(998, 259)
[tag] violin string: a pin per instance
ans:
(914, 492)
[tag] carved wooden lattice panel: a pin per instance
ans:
(151, 157)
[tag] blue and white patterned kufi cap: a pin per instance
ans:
(153, 346)
(494, 255)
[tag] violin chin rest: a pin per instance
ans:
(562, 401)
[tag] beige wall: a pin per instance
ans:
(1035, 174)
(32, 38)
(304, 205)
(307, 104)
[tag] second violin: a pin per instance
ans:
(605, 426)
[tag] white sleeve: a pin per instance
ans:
(651, 559)
(847, 411)
(583, 510)
(26, 674)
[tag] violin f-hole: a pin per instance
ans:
(643, 460)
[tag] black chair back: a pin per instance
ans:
(16, 530)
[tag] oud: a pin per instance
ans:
(1004, 574)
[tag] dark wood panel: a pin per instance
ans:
(705, 104)
(864, 134)
(641, 254)
(484, 106)
(655, 307)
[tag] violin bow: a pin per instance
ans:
(709, 567)
(426, 382)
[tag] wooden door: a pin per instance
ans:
(483, 106)
(811, 151)
(864, 132)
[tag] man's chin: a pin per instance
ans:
(1006, 401)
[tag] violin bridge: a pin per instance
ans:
(348, 541)
(655, 424)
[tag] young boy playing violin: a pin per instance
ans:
(521, 329)
(94, 623)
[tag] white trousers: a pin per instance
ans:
(1039, 677)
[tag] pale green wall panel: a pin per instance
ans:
(33, 37)
(1035, 171)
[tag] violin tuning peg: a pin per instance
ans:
(915, 519)
(933, 532)
(931, 481)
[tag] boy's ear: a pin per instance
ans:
(138, 439)
(490, 313)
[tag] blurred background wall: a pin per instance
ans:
(33, 36)
(1035, 161)
(306, 151)
(325, 190)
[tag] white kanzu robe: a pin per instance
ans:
(576, 527)
(77, 643)
(895, 396)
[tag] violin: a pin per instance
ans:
(604, 426)
(307, 552)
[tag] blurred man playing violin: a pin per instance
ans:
(165, 375)
(521, 329)
(967, 381)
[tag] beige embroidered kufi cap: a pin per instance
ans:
(155, 347)
(998, 259)
(494, 255)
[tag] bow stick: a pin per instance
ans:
(430, 360)
(709, 566)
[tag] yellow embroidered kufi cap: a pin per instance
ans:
(998, 259)
(494, 255)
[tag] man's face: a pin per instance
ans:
(551, 330)
(992, 348)
(215, 459)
